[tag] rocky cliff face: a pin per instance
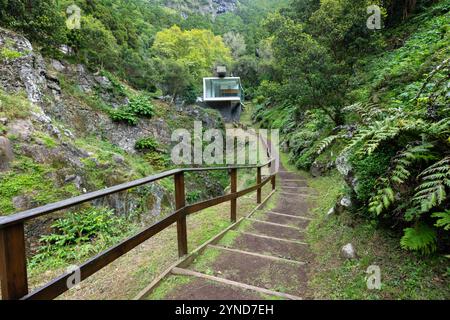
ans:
(57, 140)
(207, 7)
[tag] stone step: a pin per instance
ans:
(273, 217)
(195, 288)
(258, 271)
(293, 183)
(265, 292)
(293, 207)
(287, 249)
(273, 230)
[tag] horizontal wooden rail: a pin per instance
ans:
(64, 204)
(59, 285)
(14, 281)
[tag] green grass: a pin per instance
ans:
(29, 178)
(46, 140)
(229, 238)
(167, 286)
(204, 262)
(14, 106)
(7, 54)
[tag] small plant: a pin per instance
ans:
(7, 54)
(80, 234)
(157, 160)
(124, 115)
(421, 238)
(48, 141)
(147, 144)
(141, 106)
(117, 86)
(193, 196)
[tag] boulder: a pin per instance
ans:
(57, 65)
(348, 251)
(317, 169)
(21, 203)
(23, 129)
(74, 179)
(345, 168)
(117, 158)
(6, 153)
(344, 204)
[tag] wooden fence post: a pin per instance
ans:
(13, 263)
(233, 178)
(180, 202)
(258, 181)
(274, 182)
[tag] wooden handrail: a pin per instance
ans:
(13, 273)
(64, 204)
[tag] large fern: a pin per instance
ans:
(370, 138)
(384, 198)
(367, 112)
(412, 154)
(421, 238)
(432, 190)
(385, 195)
(443, 219)
(326, 143)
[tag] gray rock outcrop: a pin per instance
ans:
(348, 251)
(6, 153)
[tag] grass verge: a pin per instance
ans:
(404, 275)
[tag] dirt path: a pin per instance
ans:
(265, 257)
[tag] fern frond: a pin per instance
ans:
(383, 200)
(421, 238)
(431, 192)
(443, 219)
(400, 173)
(403, 160)
(368, 112)
(325, 143)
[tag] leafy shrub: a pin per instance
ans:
(79, 235)
(7, 54)
(368, 169)
(193, 196)
(421, 238)
(147, 144)
(157, 160)
(141, 106)
(117, 86)
(190, 95)
(124, 115)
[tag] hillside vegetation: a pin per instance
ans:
(374, 104)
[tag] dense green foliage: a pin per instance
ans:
(144, 42)
(375, 103)
(185, 57)
(80, 234)
(139, 106)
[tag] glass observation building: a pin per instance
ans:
(222, 90)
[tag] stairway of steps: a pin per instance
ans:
(267, 259)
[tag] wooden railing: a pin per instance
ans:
(13, 263)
